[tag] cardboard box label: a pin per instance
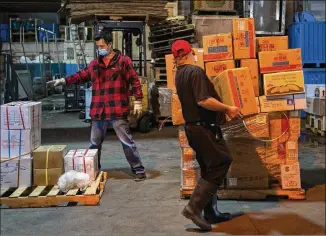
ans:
(244, 38)
(280, 103)
(290, 175)
(284, 83)
(218, 47)
(252, 64)
(273, 43)
(280, 61)
(320, 92)
(215, 68)
(21, 115)
(233, 181)
(16, 172)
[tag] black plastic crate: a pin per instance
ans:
(70, 94)
(81, 104)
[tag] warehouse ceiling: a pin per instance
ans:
(17, 6)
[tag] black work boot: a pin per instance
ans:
(212, 215)
(202, 194)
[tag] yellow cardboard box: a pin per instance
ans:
(235, 89)
(283, 83)
(171, 67)
(272, 43)
(280, 61)
(218, 47)
(177, 117)
(214, 5)
(244, 42)
(252, 64)
(214, 68)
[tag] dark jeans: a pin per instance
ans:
(212, 154)
(121, 128)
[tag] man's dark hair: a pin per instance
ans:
(105, 35)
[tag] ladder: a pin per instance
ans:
(79, 47)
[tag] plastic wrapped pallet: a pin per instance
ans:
(257, 161)
(183, 141)
(165, 101)
(190, 171)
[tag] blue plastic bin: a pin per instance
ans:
(310, 37)
(42, 35)
(4, 32)
(314, 75)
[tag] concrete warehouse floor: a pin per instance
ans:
(153, 207)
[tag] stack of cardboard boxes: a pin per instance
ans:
(24, 162)
(316, 115)
(20, 135)
(270, 92)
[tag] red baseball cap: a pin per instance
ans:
(181, 48)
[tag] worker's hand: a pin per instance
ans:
(56, 82)
(234, 112)
(138, 108)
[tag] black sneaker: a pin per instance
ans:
(140, 177)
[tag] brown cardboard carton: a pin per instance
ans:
(235, 89)
(215, 68)
(252, 64)
(218, 47)
(171, 67)
(272, 43)
(183, 141)
(48, 157)
(290, 175)
(244, 42)
(279, 126)
(247, 177)
(43, 177)
(213, 5)
(258, 125)
(177, 117)
(189, 177)
(280, 61)
(283, 83)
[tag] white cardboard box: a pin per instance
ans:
(290, 176)
(19, 142)
(311, 89)
(9, 172)
(320, 92)
(82, 160)
(21, 115)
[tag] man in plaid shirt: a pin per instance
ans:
(111, 75)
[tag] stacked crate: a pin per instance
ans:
(265, 80)
(20, 135)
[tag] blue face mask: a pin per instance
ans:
(102, 52)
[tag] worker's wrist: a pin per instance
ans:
(227, 107)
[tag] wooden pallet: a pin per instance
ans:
(252, 194)
(51, 196)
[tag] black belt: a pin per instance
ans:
(218, 130)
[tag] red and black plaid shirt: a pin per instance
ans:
(110, 86)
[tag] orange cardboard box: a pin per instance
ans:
(218, 47)
(235, 89)
(214, 68)
(252, 64)
(244, 42)
(280, 61)
(171, 67)
(272, 43)
(284, 83)
(177, 117)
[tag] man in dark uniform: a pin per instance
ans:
(203, 111)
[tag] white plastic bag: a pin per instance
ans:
(73, 179)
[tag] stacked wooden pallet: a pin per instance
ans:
(154, 10)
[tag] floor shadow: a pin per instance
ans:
(125, 173)
(314, 181)
(265, 224)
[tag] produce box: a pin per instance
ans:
(280, 61)
(47, 177)
(215, 68)
(272, 43)
(218, 47)
(244, 41)
(49, 157)
(252, 64)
